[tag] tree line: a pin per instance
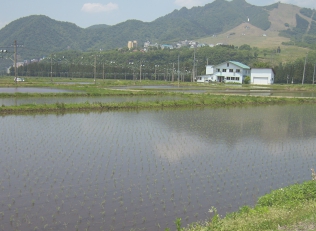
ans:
(161, 64)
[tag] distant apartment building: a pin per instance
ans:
(132, 44)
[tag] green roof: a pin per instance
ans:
(241, 65)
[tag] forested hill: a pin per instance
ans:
(41, 35)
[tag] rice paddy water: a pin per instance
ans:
(143, 169)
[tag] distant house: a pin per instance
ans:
(263, 76)
(235, 72)
(228, 72)
(205, 78)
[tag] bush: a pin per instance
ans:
(247, 80)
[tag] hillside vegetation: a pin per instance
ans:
(41, 35)
(290, 25)
(284, 26)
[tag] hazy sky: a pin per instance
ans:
(85, 13)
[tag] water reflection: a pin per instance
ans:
(144, 169)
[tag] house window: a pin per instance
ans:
(227, 64)
(228, 78)
(231, 70)
(237, 70)
(218, 70)
(224, 70)
(237, 78)
(232, 78)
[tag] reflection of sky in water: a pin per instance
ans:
(187, 160)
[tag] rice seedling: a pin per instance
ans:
(164, 171)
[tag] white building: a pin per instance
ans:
(228, 72)
(235, 72)
(206, 78)
(263, 76)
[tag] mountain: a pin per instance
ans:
(284, 18)
(41, 35)
(99, 26)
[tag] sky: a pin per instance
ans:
(85, 13)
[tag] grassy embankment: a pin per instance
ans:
(289, 208)
(102, 88)
(189, 100)
(87, 84)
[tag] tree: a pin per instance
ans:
(247, 80)
(245, 47)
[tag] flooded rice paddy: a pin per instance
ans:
(32, 90)
(143, 169)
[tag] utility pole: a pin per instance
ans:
(172, 72)
(95, 68)
(103, 71)
(140, 72)
(156, 71)
(51, 67)
(193, 72)
(314, 74)
(15, 63)
(178, 70)
(304, 69)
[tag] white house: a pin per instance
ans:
(206, 78)
(209, 77)
(263, 76)
(228, 72)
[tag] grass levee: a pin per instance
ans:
(189, 100)
(289, 208)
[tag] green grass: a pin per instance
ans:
(189, 100)
(103, 88)
(289, 208)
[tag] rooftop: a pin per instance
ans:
(241, 65)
